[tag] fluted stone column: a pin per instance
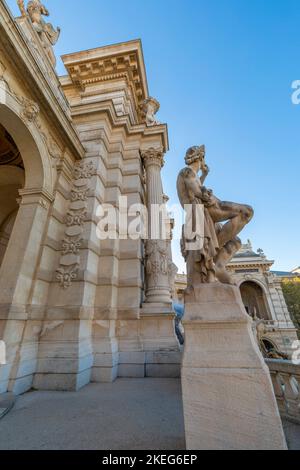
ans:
(157, 250)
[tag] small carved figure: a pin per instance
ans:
(22, 7)
(223, 221)
(30, 110)
(47, 34)
(149, 108)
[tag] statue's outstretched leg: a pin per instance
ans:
(222, 259)
(238, 216)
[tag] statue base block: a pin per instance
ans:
(228, 397)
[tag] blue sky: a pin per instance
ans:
(222, 71)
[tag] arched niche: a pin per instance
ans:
(12, 180)
(254, 300)
(21, 256)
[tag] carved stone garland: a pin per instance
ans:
(76, 216)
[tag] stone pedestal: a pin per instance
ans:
(162, 354)
(228, 396)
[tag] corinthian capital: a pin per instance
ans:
(152, 157)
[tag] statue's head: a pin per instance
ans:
(195, 154)
(151, 103)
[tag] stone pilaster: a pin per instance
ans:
(17, 276)
(156, 248)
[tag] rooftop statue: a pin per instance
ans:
(222, 222)
(149, 108)
(22, 7)
(48, 35)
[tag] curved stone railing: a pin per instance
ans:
(286, 381)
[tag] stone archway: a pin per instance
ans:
(28, 139)
(26, 178)
(27, 172)
(254, 300)
(12, 179)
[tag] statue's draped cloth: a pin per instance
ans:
(207, 240)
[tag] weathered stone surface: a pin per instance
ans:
(228, 398)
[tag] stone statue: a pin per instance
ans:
(223, 221)
(260, 330)
(22, 7)
(149, 108)
(48, 35)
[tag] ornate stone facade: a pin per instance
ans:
(73, 308)
(75, 219)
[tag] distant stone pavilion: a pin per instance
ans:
(261, 293)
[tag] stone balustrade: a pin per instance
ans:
(286, 381)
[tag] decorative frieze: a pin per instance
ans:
(79, 194)
(75, 219)
(65, 276)
(30, 110)
(71, 245)
(84, 170)
(157, 260)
